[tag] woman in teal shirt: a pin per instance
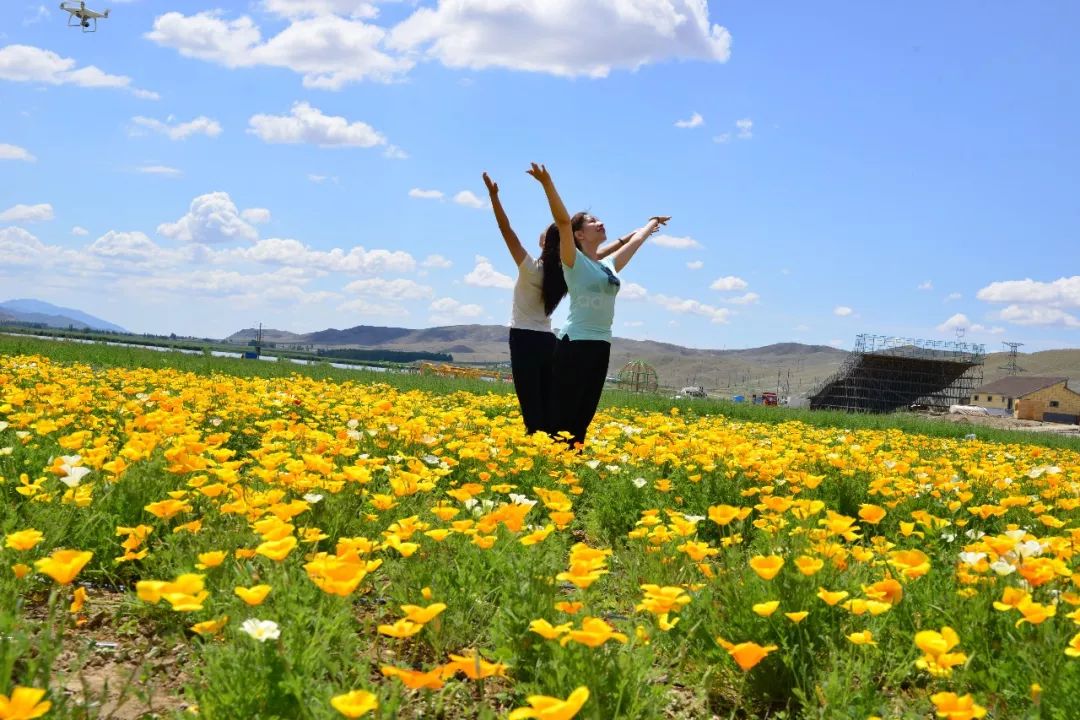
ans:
(583, 352)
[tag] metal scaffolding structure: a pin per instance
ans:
(638, 376)
(885, 373)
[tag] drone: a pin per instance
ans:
(80, 16)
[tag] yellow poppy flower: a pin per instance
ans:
(63, 565)
(551, 708)
(254, 595)
(356, 703)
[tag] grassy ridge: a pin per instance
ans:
(101, 355)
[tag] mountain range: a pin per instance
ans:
(784, 367)
(54, 316)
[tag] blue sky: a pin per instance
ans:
(831, 168)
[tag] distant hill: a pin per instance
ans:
(791, 367)
(37, 311)
(718, 370)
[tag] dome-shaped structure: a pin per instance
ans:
(638, 376)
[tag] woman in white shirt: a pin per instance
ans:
(539, 288)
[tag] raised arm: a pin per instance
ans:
(623, 254)
(603, 252)
(509, 236)
(567, 248)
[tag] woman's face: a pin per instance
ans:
(592, 232)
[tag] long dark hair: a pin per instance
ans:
(553, 288)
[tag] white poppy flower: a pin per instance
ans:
(261, 630)
(1002, 568)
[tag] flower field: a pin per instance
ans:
(303, 548)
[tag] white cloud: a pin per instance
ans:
(256, 216)
(747, 299)
(745, 128)
(306, 124)
(212, 218)
(842, 311)
(694, 307)
(836, 343)
(633, 323)
(1063, 292)
(562, 37)
(19, 247)
(729, 283)
(485, 275)
(426, 194)
(14, 152)
(123, 244)
(310, 8)
(201, 125)
(134, 248)
(159, 170)
(632, 291)
(446, 311)
(207, 36)
(27, 213)
(953, 296)
(361, 306)
(928, 285)
(327, 50)
(1035, 302)
(1038, 315)
(959, 321)
(803, 327)
(695, 265)
(395, 153)
(695, 121)
(677, 243)
(239, 288)
(26, 63)
(398, 289)
(468, 199)
(722, 138)
(79, 230)
(294, 254)
(436, 262)
(320, 179)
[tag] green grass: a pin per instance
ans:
(107, 356)
(101, 355)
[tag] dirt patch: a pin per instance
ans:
(114, 683)
(1005, 423)
(115, 671)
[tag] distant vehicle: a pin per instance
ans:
(769, 398)
(693, 391)
(80, 16)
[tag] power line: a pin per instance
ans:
(1012, 367)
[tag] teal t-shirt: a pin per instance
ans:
(592, 298)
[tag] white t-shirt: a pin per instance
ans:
(528, 312)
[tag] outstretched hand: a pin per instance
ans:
(540, 173)
(661, 219)
(492, 186)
